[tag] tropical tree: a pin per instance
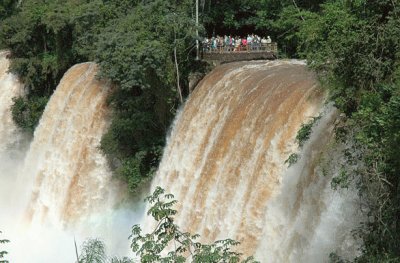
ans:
(147, 55)
(167, 243)
(94, 251)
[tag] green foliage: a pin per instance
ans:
(354, 47)
(378, 116)
(94, 251)
(341, 180)
(181, 246)
(3, 253)
(346, 34)
(234, 17)
(135, 51)
(7, 7)
(303, 134)
(38, 36)
(26, 112)
(305, 131)
(140, 169)
(292, 159)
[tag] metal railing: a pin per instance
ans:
(252, 47)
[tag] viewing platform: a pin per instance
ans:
(226, 55)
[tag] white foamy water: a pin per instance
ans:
(11, 140)
(307, 220)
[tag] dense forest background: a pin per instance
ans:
(353, 45)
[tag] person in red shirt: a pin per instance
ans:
(244, 44)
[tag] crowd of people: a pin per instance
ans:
(229, 43)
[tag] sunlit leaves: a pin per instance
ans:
(167, 243)
(94, 251)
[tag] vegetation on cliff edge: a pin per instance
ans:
(354, 46)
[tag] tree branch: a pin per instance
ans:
(294, 2)
(178, 87)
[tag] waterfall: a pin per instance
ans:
(225, 164)
(71, 177)
(11, 140)
(65, 188)
(10, 88)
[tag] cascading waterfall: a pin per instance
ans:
(71, 176)
(10, 88)
(65, 188)
(307, 220)
(11, 141)
(225, 163)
